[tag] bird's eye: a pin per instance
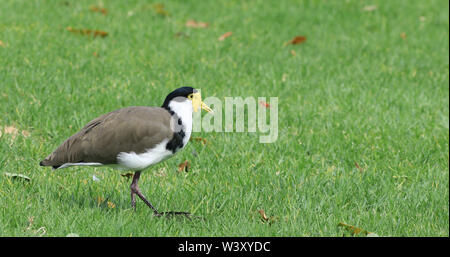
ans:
(190, 96)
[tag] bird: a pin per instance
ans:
(133, 139)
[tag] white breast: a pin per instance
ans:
(138, 162)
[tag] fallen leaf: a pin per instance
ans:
(199, 139)
(196, 24)
(98, 9)
(263, 215)
(10, 130)
(87, 32)
(370, 8)
(297, 40)
(403, 35)
(184, 166)
(100, 33)
(264, 104)
(42, 230)
(158, 8)
(422, 18)
(293, 52)
(25, 133)
(358, 167)
(222, 38)
(111, 205)
(17, 176)
(100, 200)
(2, 44)
(95, 54)
(353, 230)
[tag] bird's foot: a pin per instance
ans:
(172, 213)
(177, 214)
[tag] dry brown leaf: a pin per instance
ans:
(264, 218)
(25, 133)
(264, 104)
(370, 8)
(358, 167)
(158, 8)
(199, 139)
(293, 52)
(95, 54)
(403, 35)
(196, 24)
(111, 205)
(222, 38)
(263, 215)
(100, 200)
(2, 44)
(87, 32)
(10, 130)
(100, 33)
(297, 40)
(184, 166)
(352, 229)
(98, 9)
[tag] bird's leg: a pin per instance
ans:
(133, 200)
(135, 191)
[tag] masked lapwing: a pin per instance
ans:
(133, 138)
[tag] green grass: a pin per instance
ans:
(356, 91)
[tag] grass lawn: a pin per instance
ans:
(363, 116)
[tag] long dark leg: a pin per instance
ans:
(135, 191)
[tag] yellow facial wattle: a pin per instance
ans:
(198, 103)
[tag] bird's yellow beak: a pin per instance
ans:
(197, 102)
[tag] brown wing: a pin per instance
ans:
(131, 129)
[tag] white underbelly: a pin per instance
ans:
(138, 162)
